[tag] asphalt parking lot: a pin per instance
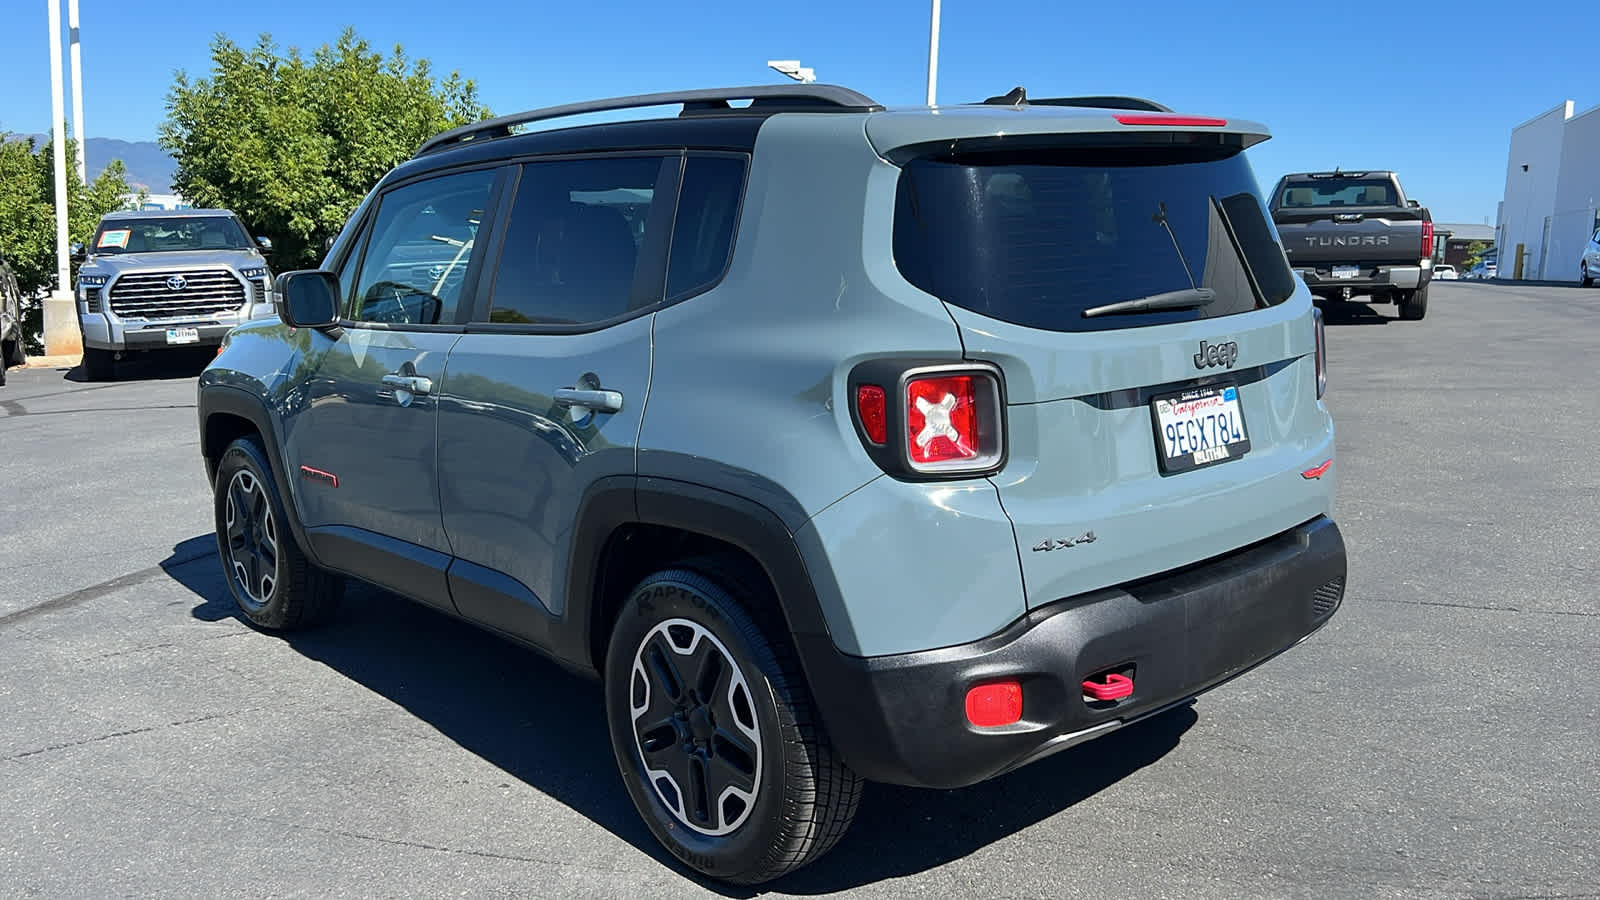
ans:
(1440, 738)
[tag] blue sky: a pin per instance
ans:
(1431, 90)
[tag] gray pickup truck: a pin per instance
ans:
(159, 279)
(1352, 234)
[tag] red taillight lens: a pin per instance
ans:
(1427, 240)
(1170, 119)
(994, 705)
(1322, 355)
(942, 419)
(872, 407)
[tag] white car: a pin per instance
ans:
(1445, 272)
(1482, 270)
(1589, 268)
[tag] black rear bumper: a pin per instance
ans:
(901, 719)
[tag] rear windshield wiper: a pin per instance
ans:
(1188, 298)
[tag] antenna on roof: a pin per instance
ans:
(1015, 97)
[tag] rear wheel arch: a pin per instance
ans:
(660, 523)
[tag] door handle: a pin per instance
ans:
(416, 384)
(599, 401)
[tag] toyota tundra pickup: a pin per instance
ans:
(1356, 234)
(157, 279)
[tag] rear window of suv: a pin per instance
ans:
(1036, 238)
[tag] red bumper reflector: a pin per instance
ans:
(872, 407)
(1171, 120)
(993, 705)
(1115, 687)
(1318, 471)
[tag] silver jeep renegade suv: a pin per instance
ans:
(841, 443)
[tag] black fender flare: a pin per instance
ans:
(218, 399)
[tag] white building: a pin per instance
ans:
(156, 201)
(1552, 195)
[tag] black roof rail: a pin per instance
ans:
(808, 97)
(1019, 97)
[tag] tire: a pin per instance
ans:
(1587, 279)
(271, 580)
(99, 365)
(747, 722)
(12, 354)
(1413, 304)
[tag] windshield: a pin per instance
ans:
(1037, 238)
(170, 234)
(1338, 192)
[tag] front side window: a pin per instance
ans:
(573, 242)
(170, 234)
(420, 247)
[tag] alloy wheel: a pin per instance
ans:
(252, 538)
(695, 728)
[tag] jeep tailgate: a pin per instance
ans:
(1109, 478)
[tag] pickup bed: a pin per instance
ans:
(1352, 234)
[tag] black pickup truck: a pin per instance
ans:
(1355, 234)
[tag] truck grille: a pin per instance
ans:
(174, 295)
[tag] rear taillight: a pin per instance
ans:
(945, 420)
(1427, 240)
(1322, 354)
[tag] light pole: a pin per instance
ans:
(61, 335)
(793, 69)
(933, 51)
(77, 90)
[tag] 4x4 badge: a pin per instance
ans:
(1224, 355)
(1061, 543)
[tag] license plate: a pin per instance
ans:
(183, 335)
(1346, 271)
(1199, 427)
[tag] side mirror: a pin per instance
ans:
(79, 251)
(307, 298)
(1414, 204)
(265, 243)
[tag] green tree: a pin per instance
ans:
(1475, 252)
(28, 215)
(291, 144)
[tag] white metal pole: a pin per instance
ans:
(77, 90)
(59, 143)
(933, 51)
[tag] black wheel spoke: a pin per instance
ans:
(710, 671)
(733, 762)
(662, 665)
(659, 739)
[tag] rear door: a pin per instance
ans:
(1139, 440)
(546, 390)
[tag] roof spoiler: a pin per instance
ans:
(1018, 97)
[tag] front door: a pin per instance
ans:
(545, 392)
(362, 446)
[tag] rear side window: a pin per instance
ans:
(1336, 191)
(574, 240)
(708, 210)
(1038, 237)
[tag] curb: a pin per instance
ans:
(53, 362)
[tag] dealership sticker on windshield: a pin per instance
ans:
(118, 238)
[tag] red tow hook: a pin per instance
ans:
(1115, 687)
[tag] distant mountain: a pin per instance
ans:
(149, 166)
